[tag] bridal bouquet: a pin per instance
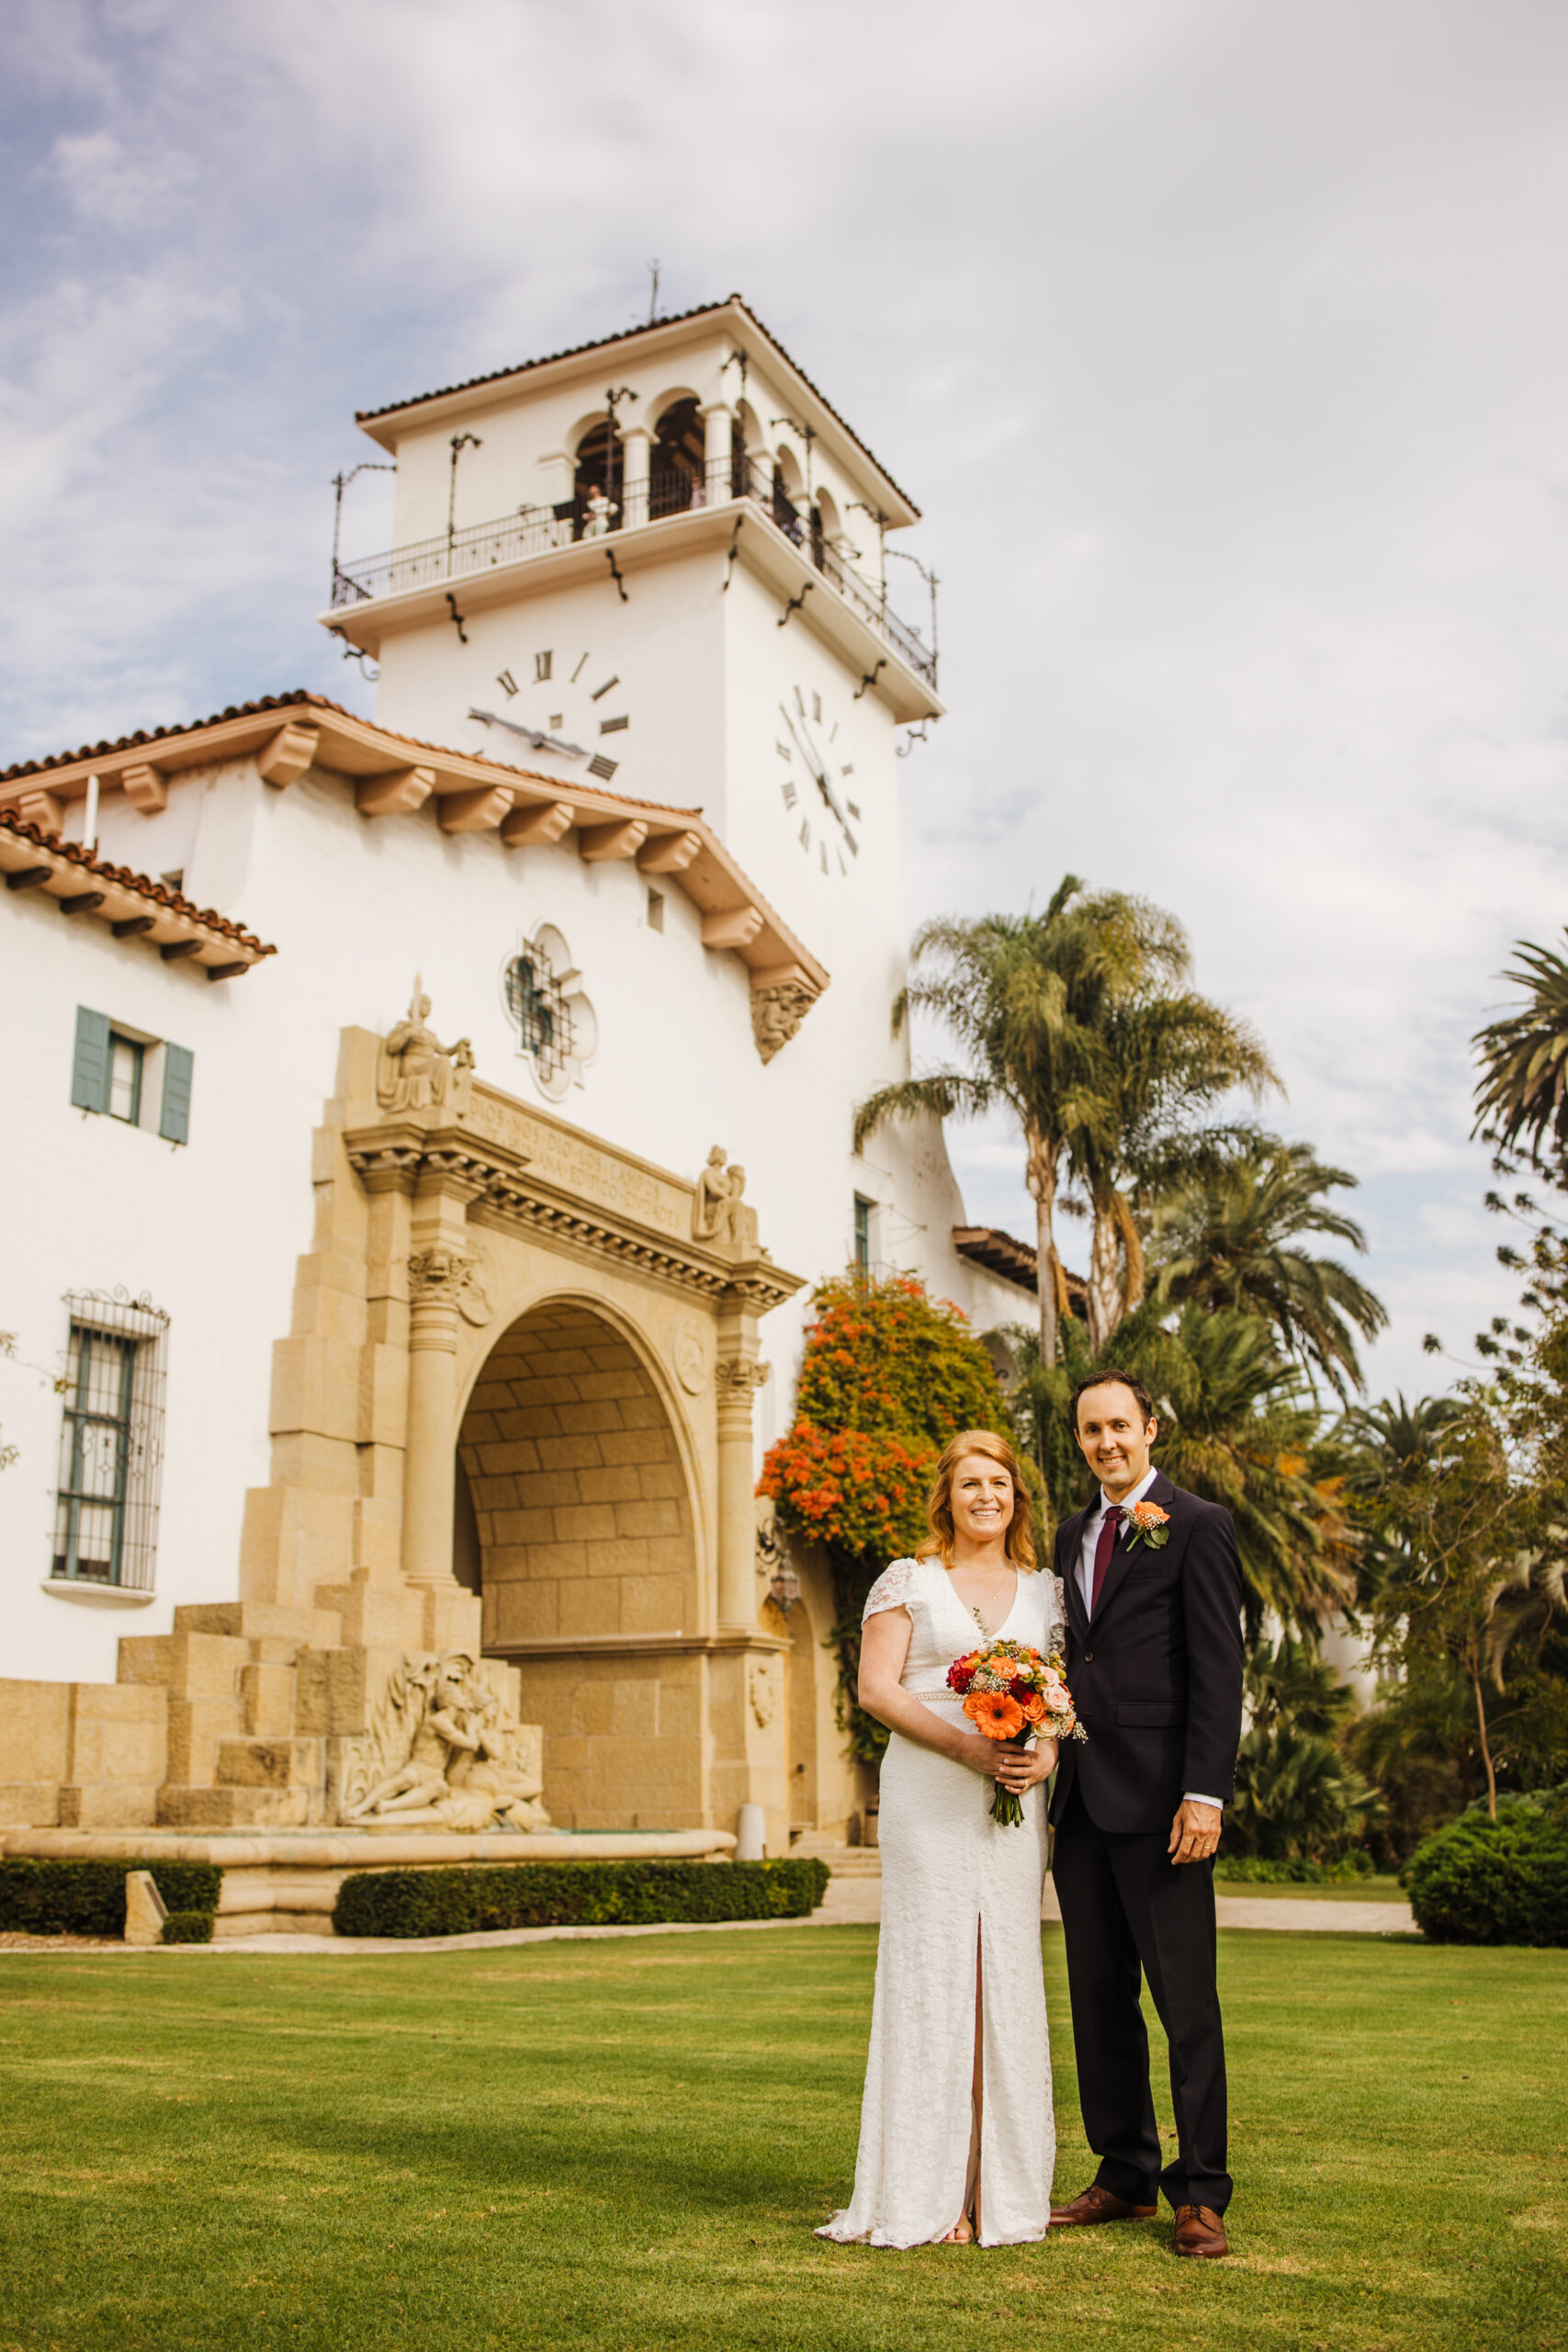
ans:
(1010, 1692)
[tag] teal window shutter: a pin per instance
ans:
(174, 1124)
(90, 1064)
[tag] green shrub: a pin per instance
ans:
(578, 1894)
(1502, 1882)
(1296, 1871)
(41, 1897)
(189, 1927)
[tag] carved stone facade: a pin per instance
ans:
(510, 1326)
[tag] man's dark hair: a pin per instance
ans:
(1123, 1379)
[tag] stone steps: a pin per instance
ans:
(844, 1861)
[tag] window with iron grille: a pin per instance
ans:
(111, 1442)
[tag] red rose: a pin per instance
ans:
(1021, 1689)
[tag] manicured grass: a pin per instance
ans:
(624, 2145)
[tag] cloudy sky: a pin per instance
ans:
(1222, 344)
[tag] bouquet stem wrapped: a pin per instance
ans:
(1013, 1693)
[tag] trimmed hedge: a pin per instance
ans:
(466, 1901)
(1251, 1870)
(189, 1927)
(1502, 1882)
(70, 1898)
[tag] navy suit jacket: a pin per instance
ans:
(1157, 1676)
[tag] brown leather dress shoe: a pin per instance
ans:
(1098, 2204)
(1200, 2232)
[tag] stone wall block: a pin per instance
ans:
(656, 1604)
(271, 1763)
(108, 1805)
(338, 1688)
(35, 1731)
(591, 1604)
(118, 1731)
(383, 1400)
(30, 1805)
(195, 1727)
(267, 1699)
(315, 1386)
(325, 1312)
(206, 1665)
(145, 1657)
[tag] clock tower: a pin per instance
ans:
(657, 563)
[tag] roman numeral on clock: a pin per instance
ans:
(598, 693)
(542, 667)
(601, 767)
(507, 683)
(789, 796)
(806, 832)
(613, 726)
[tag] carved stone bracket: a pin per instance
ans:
(777, 1012)
(735, 1378)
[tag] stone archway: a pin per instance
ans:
(588, 1564)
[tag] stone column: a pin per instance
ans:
(635, 446)
(717, 424)
(737, 1375)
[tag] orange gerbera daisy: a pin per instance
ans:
(994, 1713)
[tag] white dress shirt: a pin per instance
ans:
(1087, 1548)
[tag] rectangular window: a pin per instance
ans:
(110, 1068)
(862, 1235)
(111, 1442)
(126, 1057)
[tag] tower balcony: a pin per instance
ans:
(662, 516)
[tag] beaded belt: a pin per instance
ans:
(955, 1698)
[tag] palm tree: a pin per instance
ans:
(1027, 999)
(1229, 1237)
(1168, 1056)
(1240, 1433)
(1522, 1097)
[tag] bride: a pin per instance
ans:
(957, 2138)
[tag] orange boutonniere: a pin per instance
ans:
(1147, 1524)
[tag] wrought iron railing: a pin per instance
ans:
(536, 530)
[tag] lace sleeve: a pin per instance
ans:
(1056, 1615)
(892, 1590)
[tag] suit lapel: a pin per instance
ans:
(1121, 1559)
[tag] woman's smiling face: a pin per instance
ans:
(982, 1499)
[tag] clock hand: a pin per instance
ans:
(816, 763)
(531, 735)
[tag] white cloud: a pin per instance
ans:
(1218, 342)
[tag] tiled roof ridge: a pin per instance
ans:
(127, 878)
(604, 342)
(165, 734)
(292, 701)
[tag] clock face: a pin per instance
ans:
(569, 702)
(817, 786)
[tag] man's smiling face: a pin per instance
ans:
(1114, 1437)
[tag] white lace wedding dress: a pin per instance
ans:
(955, 1887)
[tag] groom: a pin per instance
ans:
(1154, 1662)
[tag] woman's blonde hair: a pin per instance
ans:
(939, 1509)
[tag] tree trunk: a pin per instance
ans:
(1486, 1745)
(1042, 1179)
(1132, 1248)
(1104, 1275)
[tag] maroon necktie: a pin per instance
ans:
(1104, 1549)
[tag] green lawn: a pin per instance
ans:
(624, 2145)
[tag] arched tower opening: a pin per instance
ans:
(585, 1546)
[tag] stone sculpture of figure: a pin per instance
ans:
(740, 1224)
(710, 1209)
(447, 1728)
(492, 1783)
(415, 1071)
